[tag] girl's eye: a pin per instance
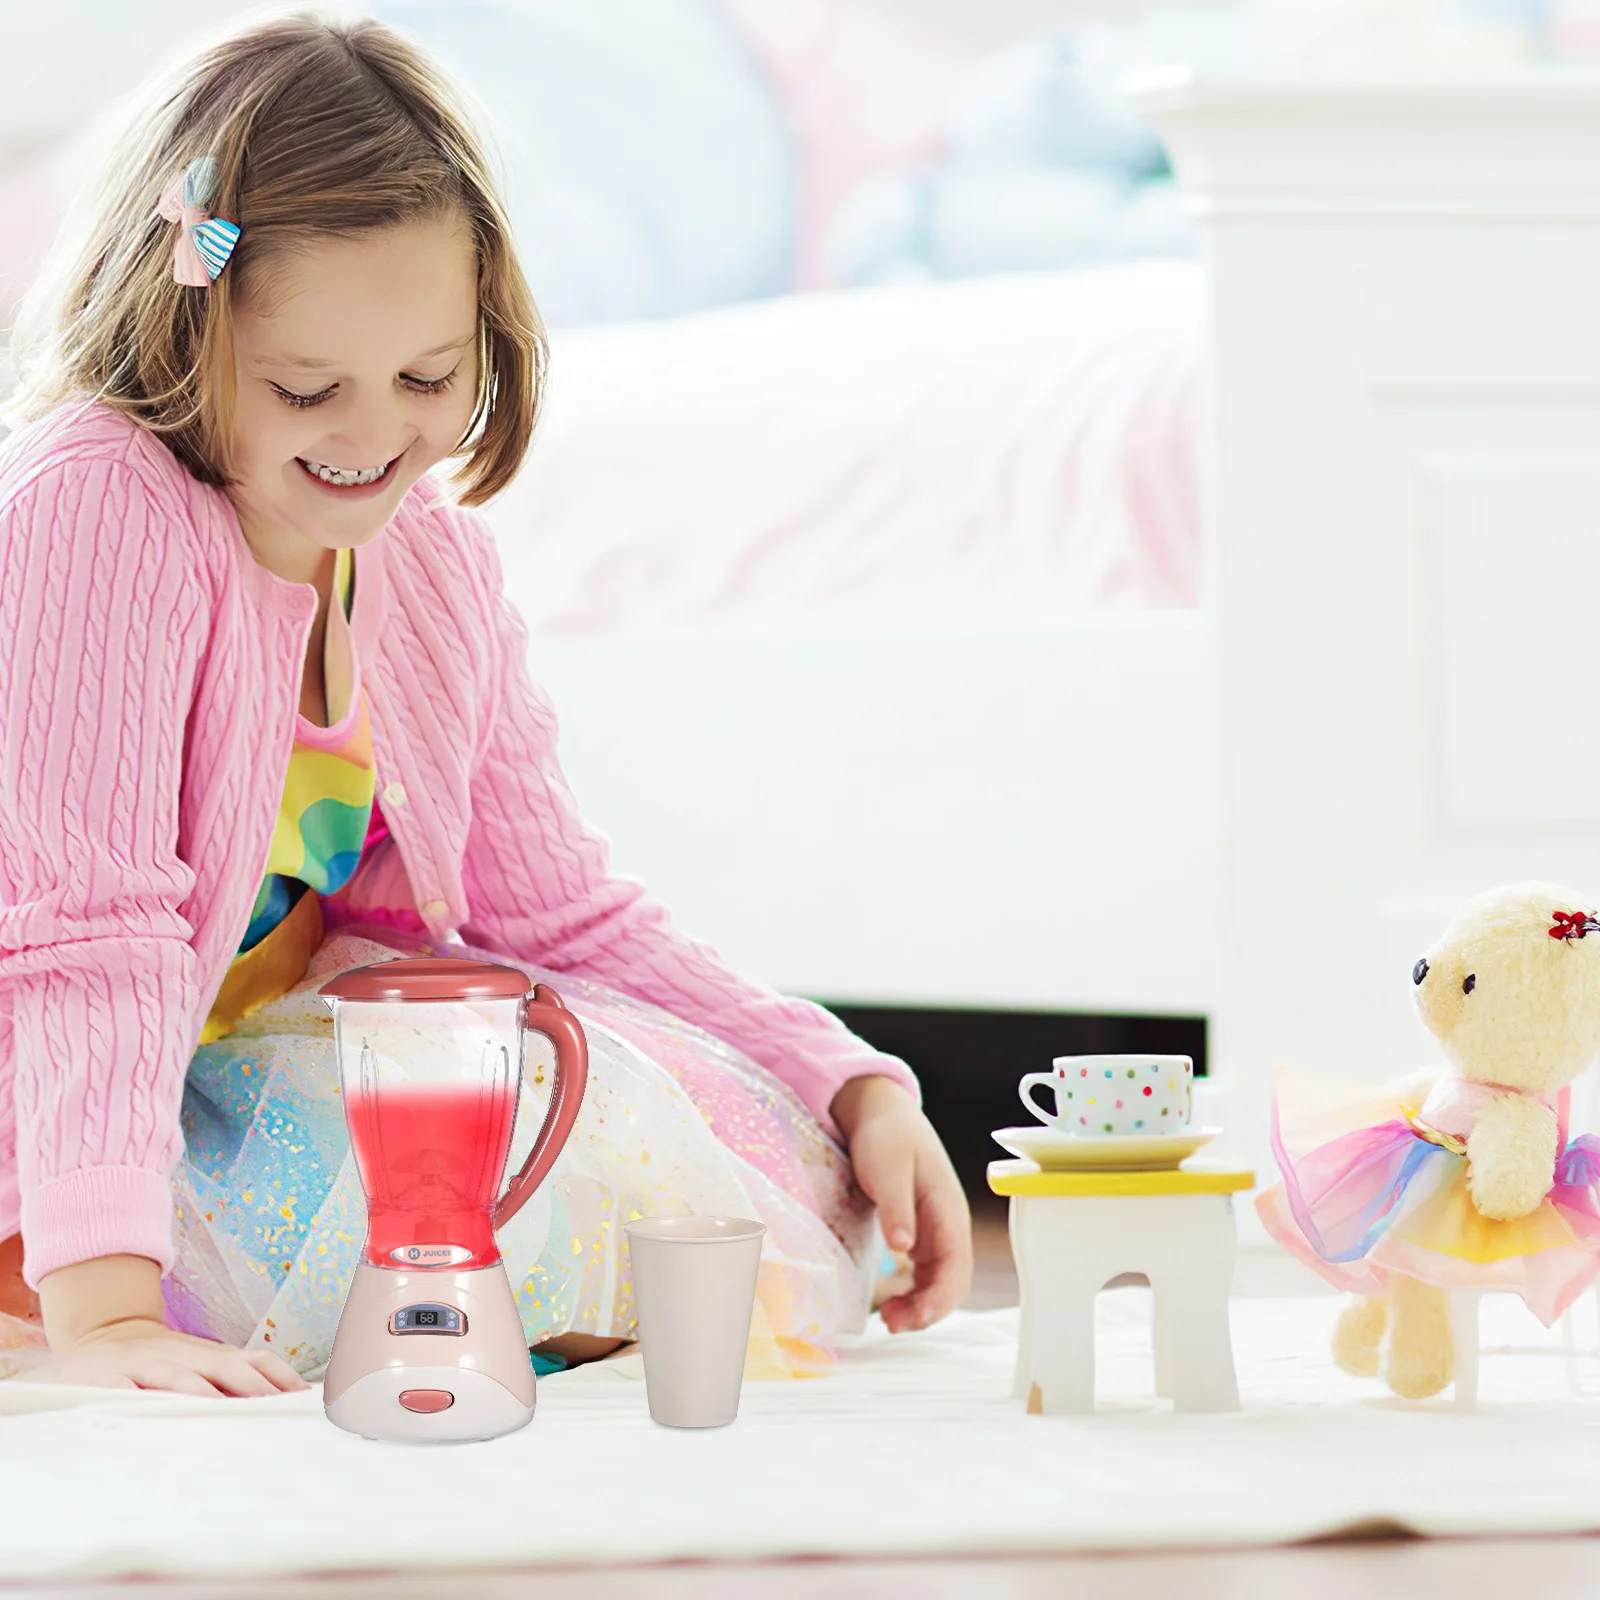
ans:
(289, 397)
(429, 385)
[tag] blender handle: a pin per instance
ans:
(543, 1012)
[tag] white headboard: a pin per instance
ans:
(990, 21)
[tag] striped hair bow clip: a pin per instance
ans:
(203, 242)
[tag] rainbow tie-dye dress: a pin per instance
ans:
(323, 821)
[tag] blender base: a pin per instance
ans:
(384, 1384)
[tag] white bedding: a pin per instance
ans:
(914, 1446)
(1008, 451)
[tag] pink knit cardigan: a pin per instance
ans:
(149, 676)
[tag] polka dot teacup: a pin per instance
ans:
(1110, 1096)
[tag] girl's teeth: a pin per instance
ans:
(343, 477)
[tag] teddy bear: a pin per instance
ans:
(1460, 1178)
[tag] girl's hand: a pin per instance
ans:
(104, 1320)
(149, 1355)
(902, 1168)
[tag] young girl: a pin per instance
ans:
(264, 716)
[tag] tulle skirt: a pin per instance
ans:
(270, 1217)
(1365, 1194)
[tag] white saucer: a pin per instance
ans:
(1054, 1151)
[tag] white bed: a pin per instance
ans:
(1013, 804)
(871, 618)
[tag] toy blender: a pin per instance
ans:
(430, 1051)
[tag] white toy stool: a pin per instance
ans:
(1073, 1232)
(1464, 1328)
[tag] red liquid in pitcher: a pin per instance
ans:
(431, 1159)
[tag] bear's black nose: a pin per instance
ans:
(1419, 972)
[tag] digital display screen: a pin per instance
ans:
(425, 1318)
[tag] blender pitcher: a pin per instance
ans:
(429, 1344)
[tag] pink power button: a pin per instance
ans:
(427, 1400)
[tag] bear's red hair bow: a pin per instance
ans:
(1572, 924)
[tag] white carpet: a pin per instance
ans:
(912, 1446)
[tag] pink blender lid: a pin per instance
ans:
(428, 978)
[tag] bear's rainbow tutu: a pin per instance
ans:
(1372, 1186)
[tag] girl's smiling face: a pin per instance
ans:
(356, 369)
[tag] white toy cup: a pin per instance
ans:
(694, 1284)
(1109, 1097)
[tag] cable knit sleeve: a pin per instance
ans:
(99, 601)
(539, 888)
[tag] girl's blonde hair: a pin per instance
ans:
(318, 129)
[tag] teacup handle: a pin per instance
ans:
(543, 1012)
(1025, 1090)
